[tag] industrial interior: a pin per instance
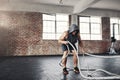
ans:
(30, 30)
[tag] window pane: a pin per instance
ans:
(61, 24)
(96, 37)
(119, 21)
(48, 26)
(116, 28)
(84, 19)
(85, 36)
(61, 27)
(95, 29)
(48, 17)
(113, 20)
(84, 28)
(90, 26)
(58, 35)
(111, 30)
(54, 25)
(61, 17)
(117, 37)
(119, 29)
(95, 19)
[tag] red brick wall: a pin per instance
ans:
(21, 34)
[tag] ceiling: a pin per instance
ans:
(107, 4)
(68, 6)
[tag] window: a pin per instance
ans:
(116, 29)
(54, 25)
(90, 28)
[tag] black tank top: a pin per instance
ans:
(72, 38)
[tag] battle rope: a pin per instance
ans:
(87, 77)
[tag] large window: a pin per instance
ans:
(116, 29)
(54, 25)
(90, 28)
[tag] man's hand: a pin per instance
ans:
(65, 42)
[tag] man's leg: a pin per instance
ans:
(64, 58)
(75, 60)
(64, 62)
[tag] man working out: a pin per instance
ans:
(72, 35)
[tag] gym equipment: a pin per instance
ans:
(114, 76)
(89, 76)
(60, 63)
(113, 40)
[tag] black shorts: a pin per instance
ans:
(64, 47)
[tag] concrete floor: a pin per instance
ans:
(47, 67)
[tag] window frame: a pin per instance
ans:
(117, 22)
(56, 21)
(90, 28)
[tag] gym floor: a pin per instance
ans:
(47, 67)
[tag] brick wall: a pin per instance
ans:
(21, 34)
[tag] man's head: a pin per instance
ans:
(73, 29)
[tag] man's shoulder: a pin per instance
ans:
(65, 33)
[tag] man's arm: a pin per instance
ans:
(81, 44)
(80, 41)
(62, 38)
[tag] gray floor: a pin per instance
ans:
(47, 67)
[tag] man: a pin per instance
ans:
(72, 35)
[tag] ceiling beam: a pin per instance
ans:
(100, 12)
(33, 7)
(82, 5)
